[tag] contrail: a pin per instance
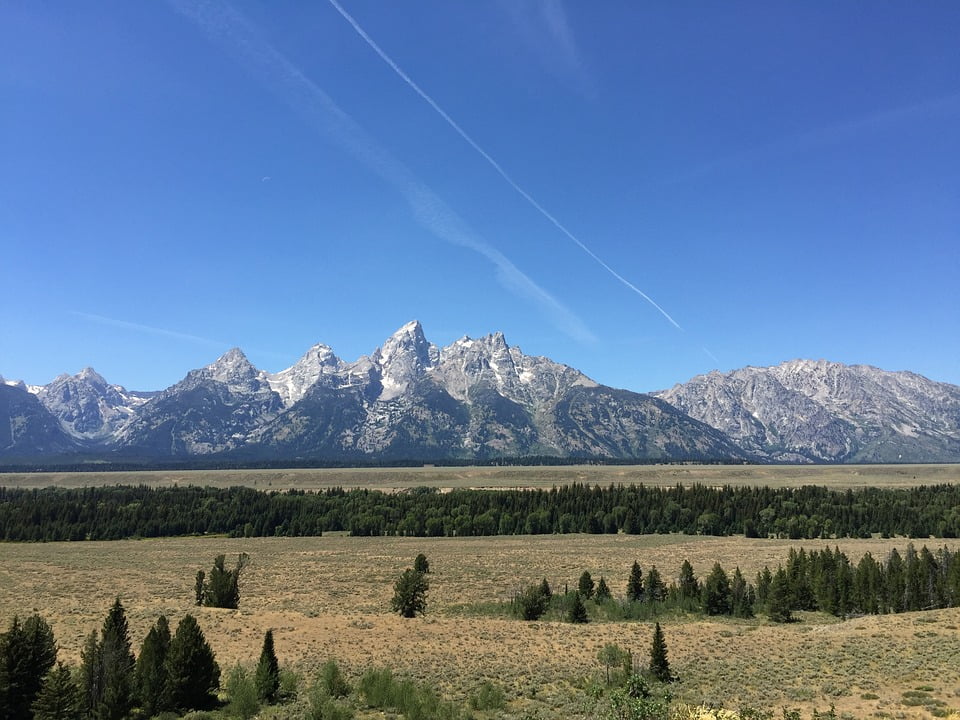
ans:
(493, 163)
(228, 27)
(139, 327)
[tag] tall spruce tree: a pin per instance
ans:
(59, 697)
(410, 594)
(779, 598)
(27, 652)
(150, 672)
(635, 583)
(585, 585)
(192, 671)
(741, 596)
(688, 586)
(577, 612)
(267, 678)
(659, 665)
(118, 664)
(716, 592)
(602, 593)
(91, 673)
(656, 589)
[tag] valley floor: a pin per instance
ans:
(329, 597)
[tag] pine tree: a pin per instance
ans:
(27, 652)
(193, 673)
(778, 601)
(150, 672)
(688, 585)
(635, 583)
(545, 589)
(603, 592)
(716, 592)
(659, 666)
(117, 664)
(91, 672)
(577, 612)
(656, 588)
(741, 596)
(421, 564)
(267, 678)
(222, 587)
(59, 697)
(585, 585)
(410, 594)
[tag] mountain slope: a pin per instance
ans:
(818, 411)
(27, 428)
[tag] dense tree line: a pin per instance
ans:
(822, 580)
(827, 580)
(106, 513)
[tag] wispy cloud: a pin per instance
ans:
(237, 36)
(835, 133)
(543, 25)
(140, 327)
(493, 163)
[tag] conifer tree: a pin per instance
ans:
(545, 589)
(577, 612)
(421, 564)
(603, 592)
(778, 601)
(192, 671)
(150, 672)
(27, 652)
(222, 586)
(59, 697)
(635, 583)
(585, 585)
(117, 662)
(267, 678)
(716, 592)
(91, 673)
(659, 666)
(410, 594)
(688, 585)
(741, 596)
(656, 588)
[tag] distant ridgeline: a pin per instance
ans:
(110, 513)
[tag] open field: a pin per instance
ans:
(835, 476)
(329, 597)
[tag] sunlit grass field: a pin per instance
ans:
(835, 476)
(329, 597)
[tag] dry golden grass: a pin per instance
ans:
(837, 476)
(329, 597)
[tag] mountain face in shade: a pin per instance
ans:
(481, 399)
(409, 399)
(818, 411)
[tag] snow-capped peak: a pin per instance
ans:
(403, 358)
(233, 365)
(291, 384)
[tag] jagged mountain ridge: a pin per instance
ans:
(408, 399)
(819, 411)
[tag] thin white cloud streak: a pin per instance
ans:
(493, 163)
(822, 136)
(223, 24)
(139, 327)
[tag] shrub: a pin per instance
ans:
(488, 697)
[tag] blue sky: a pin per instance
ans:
(645, 191)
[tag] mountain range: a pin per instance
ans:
(480, 399)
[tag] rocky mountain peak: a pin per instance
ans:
(233, 366)
(319, 363)
(403, 358)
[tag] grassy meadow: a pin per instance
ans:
(329, 597)
(833, 476)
